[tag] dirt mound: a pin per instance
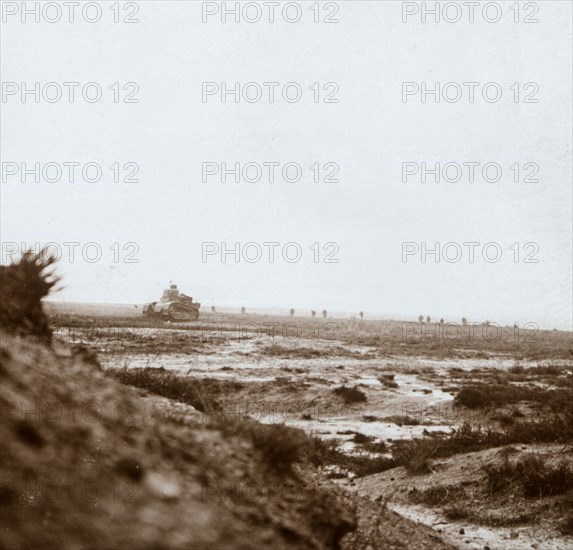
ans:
(89, 463)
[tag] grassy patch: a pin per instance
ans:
(280, 445)
(369, 444)
(200, 393)
(415, 455)
(534, 474)
(322, 453)
(490, 395)
(456, 512)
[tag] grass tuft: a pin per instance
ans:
(350, 395)
(536, 476)
(23, 284)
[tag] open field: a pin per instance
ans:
(428, 423)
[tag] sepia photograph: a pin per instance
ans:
(286, 275)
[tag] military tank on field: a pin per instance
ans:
(173, 306)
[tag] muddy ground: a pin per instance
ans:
(400, 382)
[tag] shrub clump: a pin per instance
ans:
(350, 395)
(416, 455)
(487, 395)
(534, 474)
(23, 284)
(387, 380)
(280, 445)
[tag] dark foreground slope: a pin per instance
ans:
(87, 462)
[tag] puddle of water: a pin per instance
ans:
(412, 396)
(331, 428)
(410, 385)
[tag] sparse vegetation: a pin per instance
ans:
(282, 351)
(404, 420)
(456, 512)
(321, 452)
(280, 445)
(536, 475)
(23, 284)
(416, 455)
(197, 392)
(490, 395)
(566, 527)
(551, 429)
(387, 380)
(375, 447)
(361, 438)
(459, 511)
(439, 495)
(522, 405)
(350, 395)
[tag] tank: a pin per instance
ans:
(173, 306)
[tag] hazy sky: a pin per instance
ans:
(369, 213)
